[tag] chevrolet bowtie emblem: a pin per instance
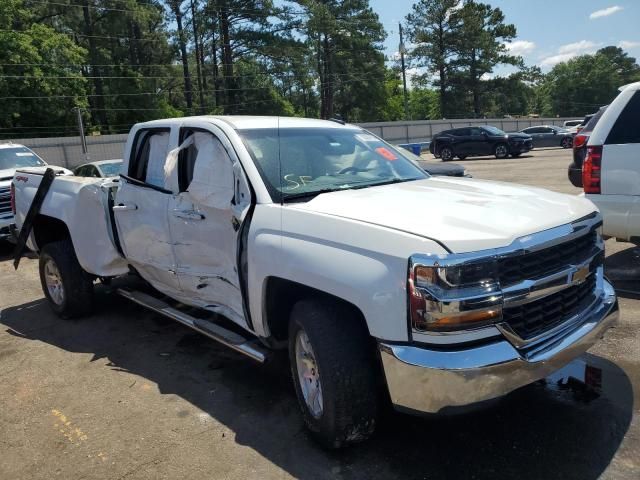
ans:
(580, 275)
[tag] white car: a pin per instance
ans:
(99, 169)
(611, 168)
(12, 157)
(320, 238)
(572, 123)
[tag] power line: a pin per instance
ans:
(76, 34)
(257, 13)
(163, 91)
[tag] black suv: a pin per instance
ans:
(475, 141)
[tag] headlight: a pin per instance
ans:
(455, 297)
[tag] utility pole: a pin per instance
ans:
(402, 50)
(83, 139)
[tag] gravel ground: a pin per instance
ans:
(125, 394)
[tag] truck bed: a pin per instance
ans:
(81, 204)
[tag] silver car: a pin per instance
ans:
(103, 168)
(549, 136)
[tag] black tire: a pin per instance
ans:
(446, 153)
(566, 143)
(340, 345)
(77, 285)
(501, 150)
(462, 157)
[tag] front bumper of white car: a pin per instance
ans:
(427, 380)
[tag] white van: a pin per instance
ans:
(611, 168)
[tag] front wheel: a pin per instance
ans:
(501, 151)
(334, 372)
(66, 285)
(566, 143)
(446, 153)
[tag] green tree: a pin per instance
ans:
(582, 84)
(346, 40)
(480, 46)
(38, 83)
(432, 28)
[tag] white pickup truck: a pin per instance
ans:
(383, 283)
(12, 157)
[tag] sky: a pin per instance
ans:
(549, 31)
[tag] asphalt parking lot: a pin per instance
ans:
(125, 394)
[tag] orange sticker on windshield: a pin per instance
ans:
(386, 153)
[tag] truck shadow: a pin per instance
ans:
(623, 269)
(555, 429)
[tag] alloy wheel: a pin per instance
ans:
(53, 280)
(308, 374)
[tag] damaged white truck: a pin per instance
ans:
(384, 283)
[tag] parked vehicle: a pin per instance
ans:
(611, 166)
(585, 121)
(99, 169)
(271, 233)
(436, 168)
(571, 123)
(474, 141)
(549, 136)
(580, 148)
(13, 156)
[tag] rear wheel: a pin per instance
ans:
(66, 285)
(566, 143)
(501, 151)
(334, 372)
(446, 153)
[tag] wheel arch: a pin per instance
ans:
(279, 297)
(48, 229)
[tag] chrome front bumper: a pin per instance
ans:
(426, 380)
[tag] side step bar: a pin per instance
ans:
(212, 330)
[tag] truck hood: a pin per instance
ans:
(6, 175)
(462, 214)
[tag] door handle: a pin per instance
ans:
(122, 207)
(188, 214)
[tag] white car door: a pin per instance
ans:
(205, 218)
(140, 210)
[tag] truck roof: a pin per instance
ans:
(242, 122)
(10, 145)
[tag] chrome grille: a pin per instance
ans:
(5, 201)
(534, 318)
(543, 262)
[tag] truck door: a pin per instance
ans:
(205, 219)
(140, 210)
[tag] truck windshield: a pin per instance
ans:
(17, 157)
(303, 162)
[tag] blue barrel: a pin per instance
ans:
(414, 148)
